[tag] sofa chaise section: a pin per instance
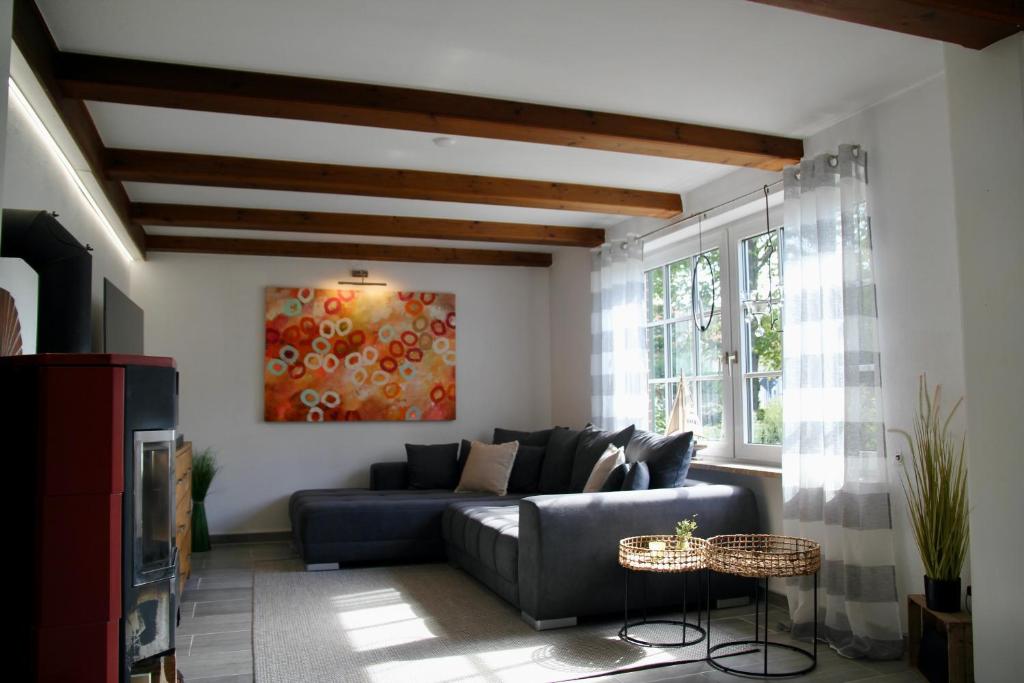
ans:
(332, 527)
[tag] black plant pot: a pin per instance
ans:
(942, 595)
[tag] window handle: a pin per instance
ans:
(730, 357)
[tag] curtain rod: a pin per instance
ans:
(708, 210)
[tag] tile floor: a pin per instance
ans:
(215, 635)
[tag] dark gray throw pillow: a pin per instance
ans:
(615, 478)
(638, 478)
(590, 448)
(433, 467)
(556, 470)
(524, 438)
(667, 457)
(525, 477)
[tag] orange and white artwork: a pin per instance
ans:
(358, 354)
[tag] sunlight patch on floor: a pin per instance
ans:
(376, 627)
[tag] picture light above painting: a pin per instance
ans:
(342, 355)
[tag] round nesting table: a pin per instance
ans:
(764, 556)
(662, 555)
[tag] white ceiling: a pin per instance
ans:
(720, 62)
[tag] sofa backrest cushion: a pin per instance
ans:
(488, 468)
(615, 478)
(591, 447)
(432, 467)
(638, 478)
(524, 438)
(556, 470)
(526, 470)
(667, 457)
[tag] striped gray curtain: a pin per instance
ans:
(834, 476)
(618, 370)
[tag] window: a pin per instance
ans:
(675, 344)
(733, 369)
(761, 286)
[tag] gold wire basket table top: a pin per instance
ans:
(667, 556)
(763, 555)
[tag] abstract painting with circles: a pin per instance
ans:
(358, 354)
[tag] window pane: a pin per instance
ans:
(655, 287)
(764, 406)
(711, 409)
(761, 267)
(764, 342)
(679, 283)
(681, 354)
(656, 352)
(710, 344)
(709, 287)
(657, 411)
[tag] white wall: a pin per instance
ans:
(915, 250)
(207, 313)
(34, 179)
(986, 108)
(570, 337)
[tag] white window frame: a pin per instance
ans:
(728, 240)
(713, 239)
(745, 228)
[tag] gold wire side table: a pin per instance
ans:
(764, 556)
(662, 554)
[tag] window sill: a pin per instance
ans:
(749, 469)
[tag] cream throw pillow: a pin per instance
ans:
(488, 467)
(612, 457)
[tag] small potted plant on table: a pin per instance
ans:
(684, 532)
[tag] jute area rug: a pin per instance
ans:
(425, 624)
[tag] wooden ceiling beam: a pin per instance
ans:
(352, 252)
(267, 174)
(160, 84)
(974, 24)
(181, 215)
(33, 38)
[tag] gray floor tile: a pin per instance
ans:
(206, 581)
(228, 641)
(214, 624)
(238, 678)
(208, 609)
(212, 594)
(906, 676)
(216, 664)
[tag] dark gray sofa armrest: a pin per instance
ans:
(386, 476)
(570, 541)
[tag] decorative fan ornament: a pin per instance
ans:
(10, 326)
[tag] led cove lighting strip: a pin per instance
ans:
(51, 144)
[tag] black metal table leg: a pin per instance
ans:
(764, 644)
(624, 631)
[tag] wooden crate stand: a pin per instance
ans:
(959, 637)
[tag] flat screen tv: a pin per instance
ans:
(122, 322)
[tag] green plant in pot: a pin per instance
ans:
(204, 469)
(684, 531)
(935, 486)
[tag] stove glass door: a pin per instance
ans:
(153, 502)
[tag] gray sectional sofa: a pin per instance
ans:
(554, 556)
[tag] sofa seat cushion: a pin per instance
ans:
(487, 531)
(361, 515)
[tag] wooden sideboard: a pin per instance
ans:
(183, 505)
